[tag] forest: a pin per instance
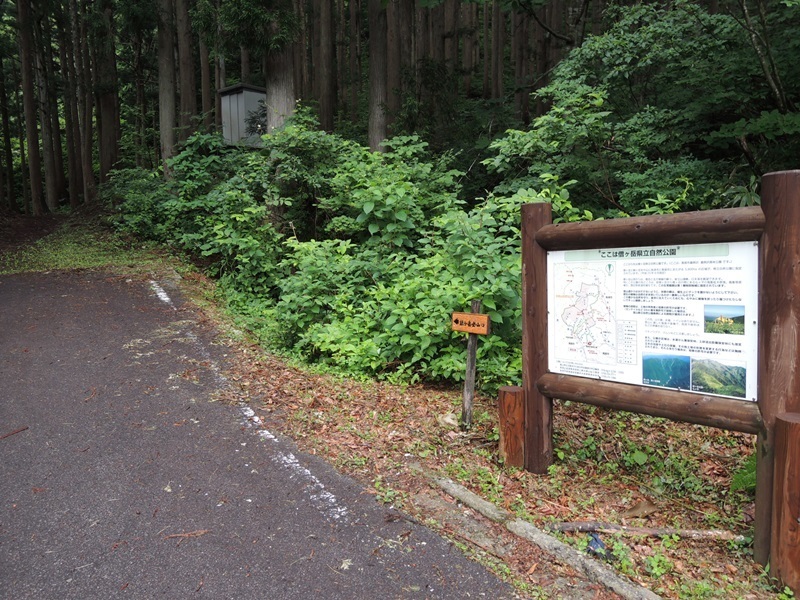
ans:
(399, 141)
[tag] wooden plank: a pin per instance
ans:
(538, 408)
(511, 412)
(779, 333)
(470, 323)
(726, 225)
(713, 411)
(785, 540)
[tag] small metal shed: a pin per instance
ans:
(238, 101)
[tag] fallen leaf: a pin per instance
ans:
(645, 508)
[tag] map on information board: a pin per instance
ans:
(681, 317)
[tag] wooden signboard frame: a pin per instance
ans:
(775, 225)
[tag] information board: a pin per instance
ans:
(681, 317)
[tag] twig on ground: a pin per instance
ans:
(693, 534)
(189, 534)
(16, 431)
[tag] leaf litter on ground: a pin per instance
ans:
(389, 436)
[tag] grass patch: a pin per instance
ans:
(80, 245)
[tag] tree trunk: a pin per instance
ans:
(437, 33)
(355, 57)
(422, 37)
(46, 121)
(280, 87)
(540, 41)
(205, 85)
(377, 127)
(452, 25)
(302, 76)
(73, 163)
(142, 147)
(106, 72)
(498, 48)
(520, 49)
(9, 159)
(219, 74)
(73, 103)
(58, 143)
(27, 57)
(188, 88)
(393, 82)
(166, 83)
(85, 99)
(487, 53)
(341, 56)
(468, 55)
(220, 79)
(244, 64)
(325, 65)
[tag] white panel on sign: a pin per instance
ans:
(682, 317)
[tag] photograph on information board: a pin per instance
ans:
(681, 317)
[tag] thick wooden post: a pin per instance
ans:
(538, 408)
(511, 411)
(785, 555)
(779, 333)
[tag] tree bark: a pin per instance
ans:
(52, 98)
(354, 80)
(85, 98)
(325, 65)
(244, 63)
(452, 25)
(27, 57)
(106, 72)
(45, 119)
(437, 33)
(9, 159)
(520, 45)
(205, 85)
(469, 53)
(280, 87)
(377, 127)
(341, 56)
(70, 116)
(188, 88)
(498, 46)
(487, 53)
(393, 82)
(166, 83)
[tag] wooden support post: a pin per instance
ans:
(785, 554)
(779, 334)
(538, 408)
(511, 411)
(469, 380)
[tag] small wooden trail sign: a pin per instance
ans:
(471, 323)
(474, 323)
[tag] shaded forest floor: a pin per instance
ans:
(611, 467)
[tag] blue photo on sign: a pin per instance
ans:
(667, 370)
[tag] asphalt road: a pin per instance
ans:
(122, 477)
